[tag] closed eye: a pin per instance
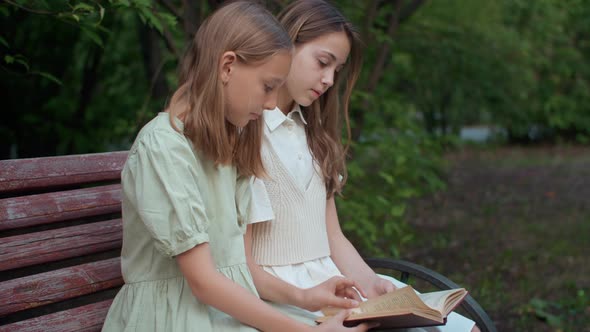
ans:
(322, 63)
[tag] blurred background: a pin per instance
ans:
(470, 151)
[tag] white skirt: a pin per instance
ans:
(311, 273)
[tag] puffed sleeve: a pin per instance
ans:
(162, 185)
(260, 207)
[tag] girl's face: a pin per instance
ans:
(251, 88)
(314, 66)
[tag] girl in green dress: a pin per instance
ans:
(186, 187)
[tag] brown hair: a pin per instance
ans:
(306, 20)
(253, 33)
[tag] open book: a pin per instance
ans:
(403, 308)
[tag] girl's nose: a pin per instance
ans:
(328, 79)
(271, 102)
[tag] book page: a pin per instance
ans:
(402, 299)
(444, 301)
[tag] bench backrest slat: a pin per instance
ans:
(52, 245)
(23, 211)
(48, 172)
(50, 287)
(88, 318)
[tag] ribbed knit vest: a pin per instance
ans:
(298, 232)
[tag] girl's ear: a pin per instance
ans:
(226, 66)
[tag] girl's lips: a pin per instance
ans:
(317, 93)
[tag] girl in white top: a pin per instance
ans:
(302, 248)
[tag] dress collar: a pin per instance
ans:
(274, 118)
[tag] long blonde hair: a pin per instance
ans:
(253, 33)
(306, 20)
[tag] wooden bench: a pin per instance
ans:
(60, 240)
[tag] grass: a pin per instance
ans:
(514, 228)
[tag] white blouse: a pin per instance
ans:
(286, 134)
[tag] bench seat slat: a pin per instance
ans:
(50, 287)
(17, 212)
(53, 245)
(88, 318)
(47, 172)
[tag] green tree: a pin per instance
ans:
(555, 37)
(72, 73)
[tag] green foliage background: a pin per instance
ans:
(84, 76)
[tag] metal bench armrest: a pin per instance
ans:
(407, 269)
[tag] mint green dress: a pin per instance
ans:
(174, 199)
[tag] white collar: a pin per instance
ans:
(276, 117)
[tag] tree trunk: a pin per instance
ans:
(89, 81)
(153, 61)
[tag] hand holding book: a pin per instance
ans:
(404, 308)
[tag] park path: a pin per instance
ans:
(512, 226)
